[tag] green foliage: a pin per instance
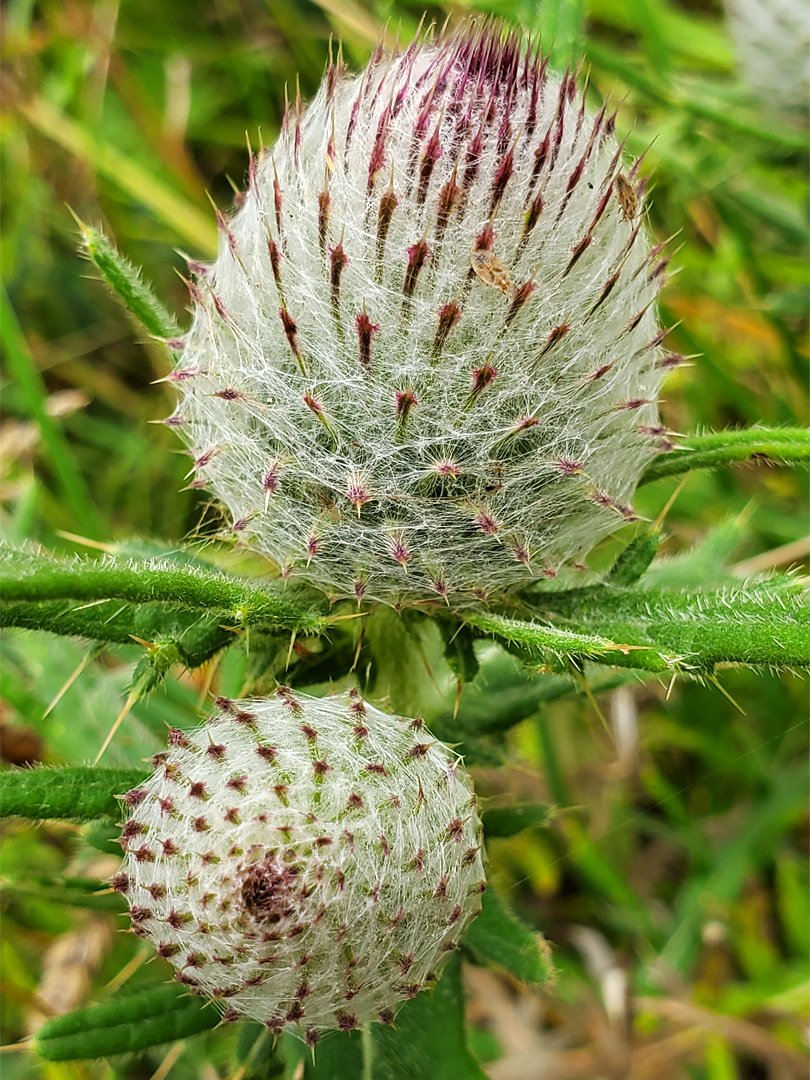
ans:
(634, 560)
(428, 1040)
(542, 643)
(127, 1024)
(500, 938)
(72, 793)
(30, 578)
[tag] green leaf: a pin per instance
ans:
(427, 1040)
(754, 625)
(74, 793)
(781, 446)
(505, 693)
(499, 938)
(126, 282)
(633, 561)
(460, 654)
(509, 820)
(703, 565)
(125, 1025)
(560, 25)
(541, 642)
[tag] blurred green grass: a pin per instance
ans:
(686, 853)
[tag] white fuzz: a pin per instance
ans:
(426, 361)
(310, 863)
(773, 50)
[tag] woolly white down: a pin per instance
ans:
(315, 883)
(532, 420)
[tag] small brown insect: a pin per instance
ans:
(628, 203)
(491, 271)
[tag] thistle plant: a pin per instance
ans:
(421, 380)
(426, 361)
(308, 863)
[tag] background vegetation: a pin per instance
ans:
(671, 877)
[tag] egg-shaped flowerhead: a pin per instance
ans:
(426, 361)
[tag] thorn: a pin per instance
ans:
(459, 688)
(716, 682)
(669, 503)
(109, 548)
(90, 655)
(134, 694)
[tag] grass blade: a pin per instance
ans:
(182, 217)
(60, 458)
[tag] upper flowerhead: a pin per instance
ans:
(425, 363)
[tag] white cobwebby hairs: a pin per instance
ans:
(426, 361)
(309, 863)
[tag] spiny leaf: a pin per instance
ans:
(705, 564)
(508, 820)
(127, 283)
(499, 937)
(186, 637)
(506, 693)
(26, 577)
(74, 793)
(754, 625)
(541, 641)
(782, 446)
(125, 1025)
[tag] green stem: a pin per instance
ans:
(194, 637)
(783, 446)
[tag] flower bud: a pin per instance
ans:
(308, 863)
(426, 361)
